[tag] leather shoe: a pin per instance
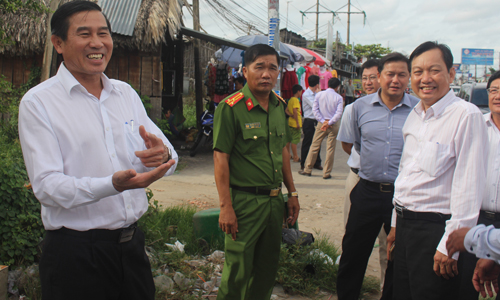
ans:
(327, 177)
(301, 172)
(318, 168)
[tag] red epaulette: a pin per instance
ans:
(234, 99)
(279, 98)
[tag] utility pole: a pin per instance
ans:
(197, 70)
(317, 19)
(348, 21)
(274, 32)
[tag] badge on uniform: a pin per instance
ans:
(252, 125)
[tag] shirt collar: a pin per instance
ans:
(248, 94)
(487, 118)
(437, 108)
(376, 98)
(69, 82)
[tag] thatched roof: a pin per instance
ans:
(155, 17)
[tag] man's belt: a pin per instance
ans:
(121, 235)
(384, 187)
(258, 190)
(490, 215)
(426, 216)
(355, 170)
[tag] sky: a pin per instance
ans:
(401, 25)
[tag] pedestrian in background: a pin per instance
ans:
(295, 119)
(349, 92)
(309, 122)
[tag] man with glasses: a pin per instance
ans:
(440, 182)
(376, 123)
(490, 207)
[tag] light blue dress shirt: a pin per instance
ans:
(378, 135)
(484, 242)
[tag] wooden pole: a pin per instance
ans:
(49, 48)
(198, 87)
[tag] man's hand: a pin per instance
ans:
(130, 179)
(486, 275)
(156, 152)
(455, 242)
(391, 237)
(293, 210)
(325, 125)
(228, 221)
(298, 126)
(445, 266)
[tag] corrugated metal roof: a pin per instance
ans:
(122, 14)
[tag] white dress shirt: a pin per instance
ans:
(328, 105)
(73, 143)
(443, 166)
(484, 242)
(492, 191)
(347, 132)
(307, 103)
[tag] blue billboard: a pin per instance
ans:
(477, 56)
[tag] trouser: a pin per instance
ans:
(349, 100)
(370, 209)
(251, 261)
(80, 265)
(308, 128)
(414, 277)
(350, 183)
(319, 135)
(467, 290)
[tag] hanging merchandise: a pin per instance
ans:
(209, 78)
(324, 76)
(289, 80)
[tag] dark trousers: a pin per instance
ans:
(349, 100)
(77, 268)
(370, 209)
(308, 128)
(414, 277)
(467, 290)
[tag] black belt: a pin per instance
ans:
(258, 190)
(121, 235)
(427, 216)
(490, 215)
(384, 187)
(355, 170)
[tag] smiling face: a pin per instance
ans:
(369, 80)
(430, 78)
(393, 80)
(494, 98)
(262, 74)
(88, 47)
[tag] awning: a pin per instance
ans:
(320, 59)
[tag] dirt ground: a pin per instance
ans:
(321, 201)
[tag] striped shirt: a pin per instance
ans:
(443, 166)
(492, 191)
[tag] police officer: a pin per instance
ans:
(250, 163)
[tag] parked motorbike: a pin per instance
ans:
(205, 135)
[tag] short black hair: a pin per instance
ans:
(240, 80)
(493, 78)
(392, 57)
(296, 88)
(257, 50)
(370, 64)
(313, 80)
(60, 19)
(333, 83)
(445, 51)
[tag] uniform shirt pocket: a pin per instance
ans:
(256, 137)
(434, 158)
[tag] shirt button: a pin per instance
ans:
(272, 152)
(107, 128)
(276, 171)
(128, 206)
(254, 137)
(270, 133)
(385, 173)
(387, 142)
(113, 155)
(386, 158)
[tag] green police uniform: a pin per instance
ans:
(254, 138)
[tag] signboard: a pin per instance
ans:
(457, 67)
(477, 56)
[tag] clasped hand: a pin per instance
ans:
(154, 156)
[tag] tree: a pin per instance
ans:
(492, 70)
(369, 51)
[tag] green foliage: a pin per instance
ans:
(492, 70)
(369, 51)
(190, 114)
(320, 44)
(20, 223)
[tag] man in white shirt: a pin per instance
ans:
(476, 241)
(309, 121)
(327, 108)
(440, 182)
(90, 150)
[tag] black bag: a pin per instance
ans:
(292, 236)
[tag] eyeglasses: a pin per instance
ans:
(492, 91)
(371, 78)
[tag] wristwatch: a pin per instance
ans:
(169, 153)
(293, 194)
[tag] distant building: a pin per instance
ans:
(292, 38)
